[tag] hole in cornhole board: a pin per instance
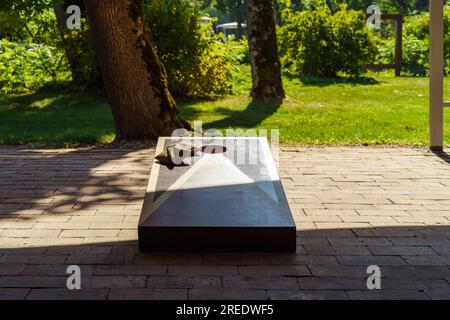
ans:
(214, 149)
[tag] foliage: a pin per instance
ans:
(416, 44)
(317, 42)
(196, 61)
(227, 10)
(33, 21)
(238, 51)
(24, 65)
(80, 46)
(386, 6)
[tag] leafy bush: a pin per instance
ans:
(196, 61)
(28, 20)
(416, 44)
(26, 65)
(239, 52)
(316, 42)
(34, 22)
(356, 45)
(79, 46)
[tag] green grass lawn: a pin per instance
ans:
(378, 109)
(55, 116)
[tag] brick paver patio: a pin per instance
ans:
(354, 207)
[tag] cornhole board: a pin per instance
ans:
(222, 201)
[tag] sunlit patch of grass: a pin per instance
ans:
(57, 117)
(376, 109)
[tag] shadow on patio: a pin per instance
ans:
(328, 264)
(51, 182)
(64, 207)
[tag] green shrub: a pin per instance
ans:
(316, 42)
(26, 65)
(238, 52)
(79, 45)
(416, 44)
(356, 45)
(38, 26)
(197, 63)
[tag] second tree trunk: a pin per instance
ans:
(262, 38)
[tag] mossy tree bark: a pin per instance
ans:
(135, 80)
(262, 38)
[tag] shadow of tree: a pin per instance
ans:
(323, 82)
(188, 108)
(252, 116)
(443, 156)
(328, 264)
(48, 182)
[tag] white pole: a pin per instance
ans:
(436, 74)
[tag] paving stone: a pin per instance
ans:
(106, 282)
(148, 294)
(227, 294)
(338, 271)
(419, 272)
(13, 293)
(32, 259)
(274, 282)
(362, 241)
(275, 270)
(11, 269)
(202, 270)
(427, 260)
(79, 250)
(331, 283)
(130, 270)
(54, 270)
(353, 207)
(387, 295)
(84, 233)
(236, 259)
(99, 259)
(65, 294)
(168, 258)
(307, 295)
(175, 282)
(371, 260)
(439, 294)
(402, 250)
(303, 259)
(328, 250)
(32, 282)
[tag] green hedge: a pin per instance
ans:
(197, 63)
(25, 66)
(316, 42)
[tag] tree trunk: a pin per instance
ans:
(135, 81)
(262, 38)
(240, 9)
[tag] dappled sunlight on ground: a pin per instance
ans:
(354, 207)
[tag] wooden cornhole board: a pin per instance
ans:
(219, 202)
